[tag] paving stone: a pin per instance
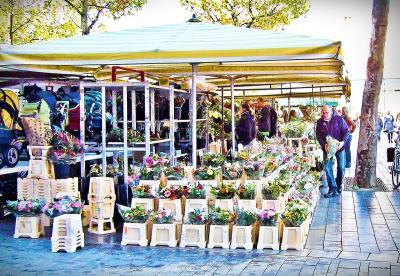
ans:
(324, 254)
(364, 266)
(369, 248)
(351, 248)
(384, 257)
(321, 269)
(311, 262)
(382, 265)
(307, 270)
(347, 271)
(349, 264)
(333, 268)
(353, 255)
(378, 271)
(395, 270)
(387, 246)
(366, 239)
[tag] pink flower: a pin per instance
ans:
(167, 193)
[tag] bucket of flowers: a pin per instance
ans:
(136, 227)
(152, 170)
(272, 197)
(24, 208)
(164, 231)
(64, 151)
(207, 177)
(244, 231)
(195, 198)
(254, 170)
(213, 159)
(170, 198)
(175, 176)
(231, 173)
(136, 214)
(62, 205)
(143, 195)
(268, 233)
(220, 227)
(246, 193)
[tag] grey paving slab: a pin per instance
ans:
(384, 257)
(349, 264)
(378, 271)
(347, 271)
(395, 270)
(353, 255)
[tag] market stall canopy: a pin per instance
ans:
(256, 56)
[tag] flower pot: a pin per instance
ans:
(247, 204)
(192, 204)
(135, 233)
(225, 204)
(268, 237)
(154, 184)
(275, 204)
(219, 236)
(61, 170)
(294, 237)
(243, 237)
(175, 206)
(30, 227)
(194, 235)
(207, 184)
(164, 234)
(258, 190)
(146, 203)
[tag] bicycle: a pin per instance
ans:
(395, 168)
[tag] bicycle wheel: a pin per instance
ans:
(395, 171)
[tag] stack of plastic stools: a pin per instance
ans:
(67, 186)
(25, 188)
(67, 233)
(101, 198)
(39, 165)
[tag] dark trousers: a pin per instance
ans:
(390, 136)
(348, 151)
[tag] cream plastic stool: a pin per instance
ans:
(67, 233)
(30, 227)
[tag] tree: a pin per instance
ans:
(24, 21)
(263, 14)
(367, 143)
(90, 11)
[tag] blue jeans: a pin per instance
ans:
(333, 183)
(348, 152)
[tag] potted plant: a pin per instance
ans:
(152, 169)
(268, 233)
(164, 231)
(64, 151)
(175, 175)
(63, 205)
(224, 194)
(135, 229)
(246, 193)
(231, 173)
(27, 212)
(211, 159)
(220, 228)
(143, 196)
(178, 103)
(243, 233)
(207, 177)
(170, 198)
(195, 198)
(194, 230)
(272, 197)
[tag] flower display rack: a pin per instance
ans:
(40, 169)
(268, 237)
(164, 234)
(175, 206)
(146, 203)
(192, 204)
(102, 209)
(67, 233)
(135, 233)
(243, 237)
(194, 235)
(247, 204)
(25, 188)
(219, 236)
(225, 204)
(30, 227)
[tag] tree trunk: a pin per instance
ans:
(10, 31)
(84, 18)
(365, 175)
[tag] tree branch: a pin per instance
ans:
(20, 26)
(97, 17)
(72, 6)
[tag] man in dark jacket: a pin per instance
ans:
(334, 126)
(268, 120)
(246, 127)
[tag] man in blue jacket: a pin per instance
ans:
(246, 127)
(335, 126)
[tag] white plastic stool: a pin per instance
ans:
(67, 233)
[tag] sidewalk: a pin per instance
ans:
(354, 234)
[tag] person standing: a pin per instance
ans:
(388, 126)
(378, 126)
(246, 127)
(285, 115)
(334, 126)
(352, 127)
(268, 120)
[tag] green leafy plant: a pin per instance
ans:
(246, 191)
(197, 217)
(213, 159)
(174, 173)
(272, 192)
(142, 191)
(196, 191)
(206, 173)
(162, 217)
(232, 171)
(25, 208)
(223, 191)
(220, 216)
(245, 218)
(296, 213)
(133, 215)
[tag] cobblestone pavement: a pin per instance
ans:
(356, 234)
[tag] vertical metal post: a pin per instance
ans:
(103, 131)
(233, 113)
(194, 114)
(125, 131)
(207, 136)
(82, 131)
(244, 96)
(171, 125)
(133, 109)
(223, 121)
(114, 108)
(147, 117)
(152, 110)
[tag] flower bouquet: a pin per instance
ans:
(136, 214)
(267, 217)
(223, 191)
(296, 213)
(272, 191)
(294, 129)
(246, 191)
(220, 216)
(254, 170)
(232, 171)
(197, 217)
(206, 173)
(151, 173)
(245, 218)
(332, 145)
(142, 191)
(162, 217)
(172, 192)
(24, 208)
(174, 173)
(63, 205)
(65, 148)
(213, 159)
(196, 191)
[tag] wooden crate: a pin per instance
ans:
(194, 235)
(268, 237)
(219, 236)
(40, 169)
(164, 234)
(30, 227)
(135, 233)
(243, 237)
(25, 188)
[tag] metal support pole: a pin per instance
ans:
(233, 113)
(82, 131)
(194, 115)
(207, 136)
(133, 109)
(103, 131)
(147, 117)
(152, 111)
(125, 131)
(114, 108)
(223, 121)
(171, 125)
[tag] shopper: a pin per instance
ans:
(246, 127)
(285, 115)
(268, 120)
(352, 127)
(334, 126)
(388, 126)
(378, 126)
(292, 115)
